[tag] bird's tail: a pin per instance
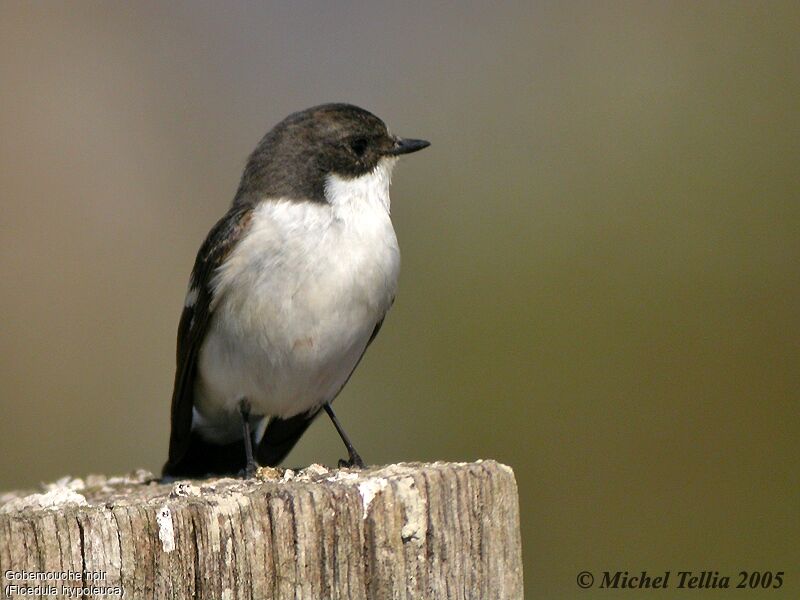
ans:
(203, 458)
(280, 437)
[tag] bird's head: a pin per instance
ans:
(299, 155)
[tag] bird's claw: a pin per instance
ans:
(354, 462)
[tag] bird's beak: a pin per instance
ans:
(406, 146)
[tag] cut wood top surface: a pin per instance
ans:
(409, 530)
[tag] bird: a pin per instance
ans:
(288, 290)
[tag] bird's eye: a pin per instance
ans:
(359, 146)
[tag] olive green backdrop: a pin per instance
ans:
(601, 251)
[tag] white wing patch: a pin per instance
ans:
(191, 297)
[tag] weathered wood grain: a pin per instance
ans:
(441, 530)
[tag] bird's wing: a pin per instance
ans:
(282, 434)
(194, 324)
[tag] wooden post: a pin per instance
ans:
(441, 530)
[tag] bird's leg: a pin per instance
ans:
(355, 459)
(250, 466)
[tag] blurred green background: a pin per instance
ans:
(601, 251)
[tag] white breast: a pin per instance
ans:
(296, 302)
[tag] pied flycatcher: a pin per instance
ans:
(288, 290)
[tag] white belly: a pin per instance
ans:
(294, 307)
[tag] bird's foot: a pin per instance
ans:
(354, 462)
(249, 472)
